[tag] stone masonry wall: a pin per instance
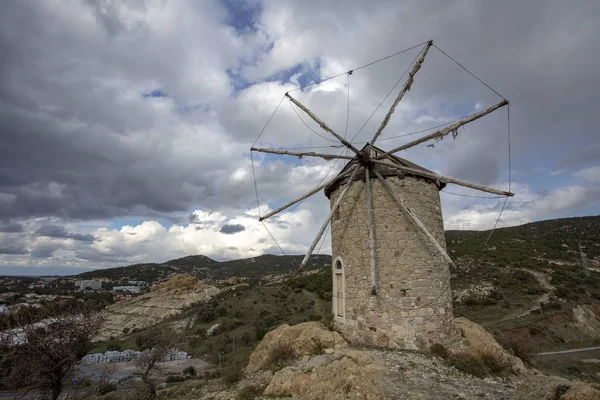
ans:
(413, 306)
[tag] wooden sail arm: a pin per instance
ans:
(415, 219)
(442, 178)
(444, 131)
(301, 154)
(315, 190)
(322, 124)
(405, 89)
(333, 210)
(372, 259)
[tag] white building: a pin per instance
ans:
(92, 284)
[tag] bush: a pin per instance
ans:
(233, 374)
(469, 364)
(280, 355)
(175, 378)
(260, 333)
(191, 371)
(438, 350)
(248, 393)
(560, 390)
(113, 346)
(521, 348)
(496, 363)
(105, 388)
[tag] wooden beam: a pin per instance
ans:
(445, 179)
(315, 190)
(333, 209)
(415, 219)
(322, 124)
(302, 154)
(444, 131)
(371, 233)
(405, 89)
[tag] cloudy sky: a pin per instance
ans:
(125, 126)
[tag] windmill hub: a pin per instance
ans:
(364, 158)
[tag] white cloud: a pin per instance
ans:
(591, 174)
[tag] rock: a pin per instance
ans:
(165, 300)
(477, 340)
(350, 377)
(305, 339)
(581, 392)
(545, 388)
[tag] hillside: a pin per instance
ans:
(525, 286)
(203, 267)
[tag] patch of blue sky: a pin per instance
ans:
(242, 14)
(155, 93)
(301, 74)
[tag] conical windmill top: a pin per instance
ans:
(400, 296)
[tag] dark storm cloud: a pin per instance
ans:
(233, 228)
(11, 227)
(44, 251)
(56, 231)
(12, 250)
(67, 148)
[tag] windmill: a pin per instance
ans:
(389, 208)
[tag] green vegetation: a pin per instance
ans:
(205, 268)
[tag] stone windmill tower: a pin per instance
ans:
(391, 279)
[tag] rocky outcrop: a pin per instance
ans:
(339, 372)
(477, 341)
(329, 378)
(308, 338)
(164, 300)
(544, 387)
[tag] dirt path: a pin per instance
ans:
(544, 281)
(550, 353)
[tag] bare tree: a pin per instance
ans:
(43, 354)
(157, 341)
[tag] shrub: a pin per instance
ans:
(106, 387)
(260, 333)
(560, 390)
(315, 317)
(191, 371)
(280, 354)
(521, 348)
(175, 378)
(469, 364)
(495, 362)
(233, 374)
(113, 346)
(248, 393)
(439, 350)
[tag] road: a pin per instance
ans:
(549, 353)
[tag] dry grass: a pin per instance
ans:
(280, 354)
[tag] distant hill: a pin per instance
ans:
(204, 267)
(533, 244)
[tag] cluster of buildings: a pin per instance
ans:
(129, 355)
(133, 287)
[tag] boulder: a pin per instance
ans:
(477, 340)
(544, 387)
(352, 376)
(308, 338)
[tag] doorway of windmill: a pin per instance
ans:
(339, 288)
